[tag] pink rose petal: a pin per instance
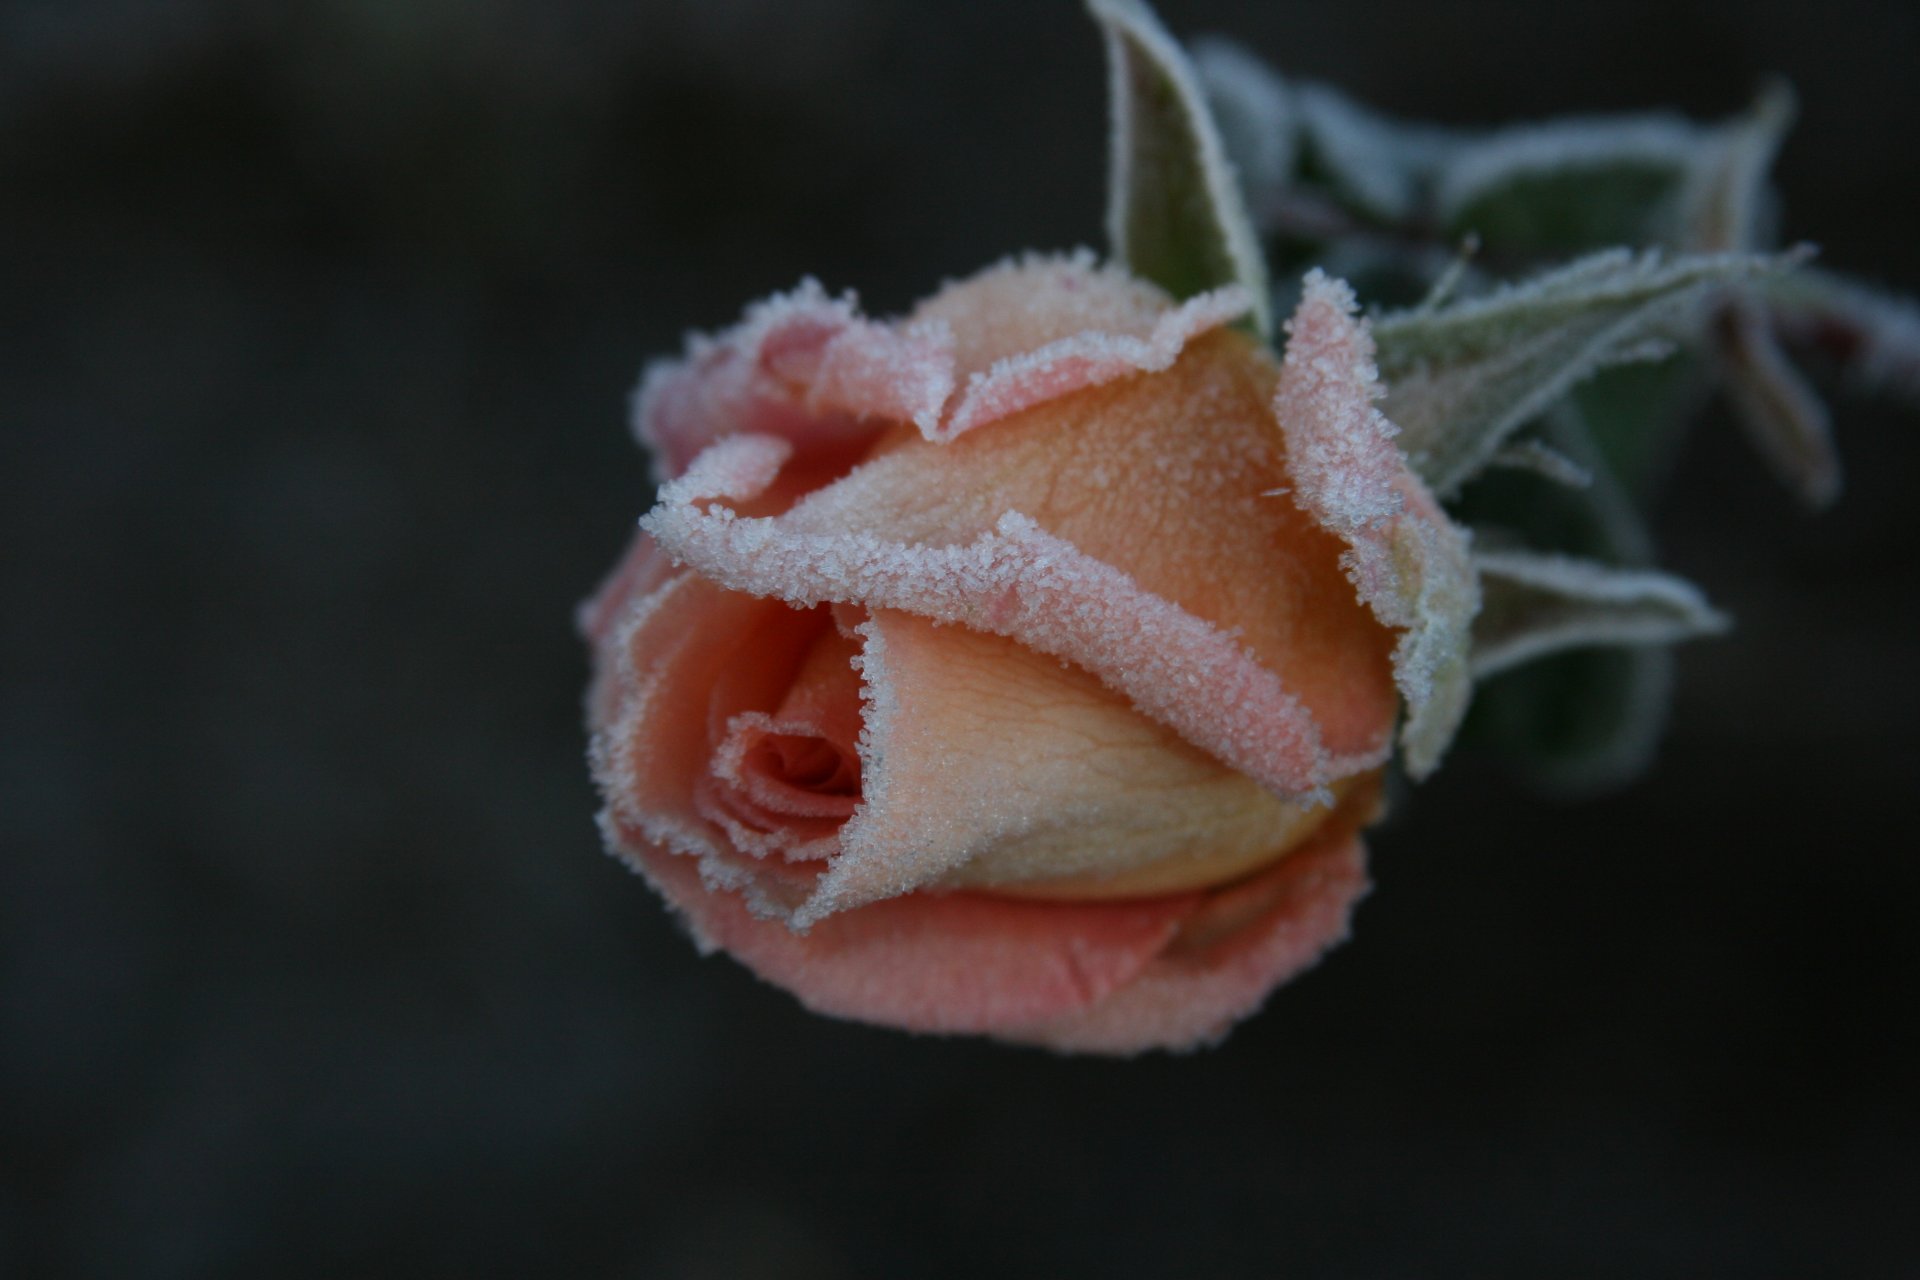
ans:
(1038, 328)
(811, 370)
(801, 366)
(1110, 977)
(961, 962)
(1186, 1000)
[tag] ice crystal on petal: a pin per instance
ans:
(1407, 560)
(1014, 580)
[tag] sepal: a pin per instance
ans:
(1175, 211)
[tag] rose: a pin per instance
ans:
(1003, 670)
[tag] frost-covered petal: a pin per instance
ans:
(988, 764)
(810, 369)
(1017, 580)
(1035, 328)
(962, 962)
(650, 749)
(1264, 932)
(788, 370)
(1407, 561)
(1168, 972)
(1169, 479)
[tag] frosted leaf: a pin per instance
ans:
(1871, 335)
(1175, 211)
(1464, 377)
(1383, 165)
(1407, 560)
(1581, 719)
(1564, 185)
(1015, 580)
(1543, 460)
(1727, 198)
(1783, 415)
(1536, 604)
(1258, 122)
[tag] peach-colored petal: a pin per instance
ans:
(1110, 977)
(989, 764)
(1014, 580)
(1168, 478)
(960, 962)
(1038, 328)
(1408, 562)
(802, 760)
(811, 370)
(641, 571)
(1186, 998)
(659, 672)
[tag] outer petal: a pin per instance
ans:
(1191, 995)
(802, 366)
(1036, 328)
(1112, 977)
(661, 669)
(811, 370)
(961, 962)
(1408, 561)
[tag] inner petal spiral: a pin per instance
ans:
(787, 777)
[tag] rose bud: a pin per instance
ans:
(1026, 667)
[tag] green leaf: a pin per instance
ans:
(1784, 416)
(1579, 722)
(1871, 338)
(1570, 186)
(1638, 415)
(1175, 212)
(1590, 717)
(1379, 166)
(1533, 605)
(1463, 377)
(1259, 124)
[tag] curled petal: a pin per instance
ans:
(801, 366)
(813, 371)
(1034, 329)
(961, 962)
(1171, 972)
(1408, 562)
(1014, 580)
(1276, 926)
(987, 764)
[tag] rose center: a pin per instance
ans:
(808, 763)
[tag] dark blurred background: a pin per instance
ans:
(318, 320)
